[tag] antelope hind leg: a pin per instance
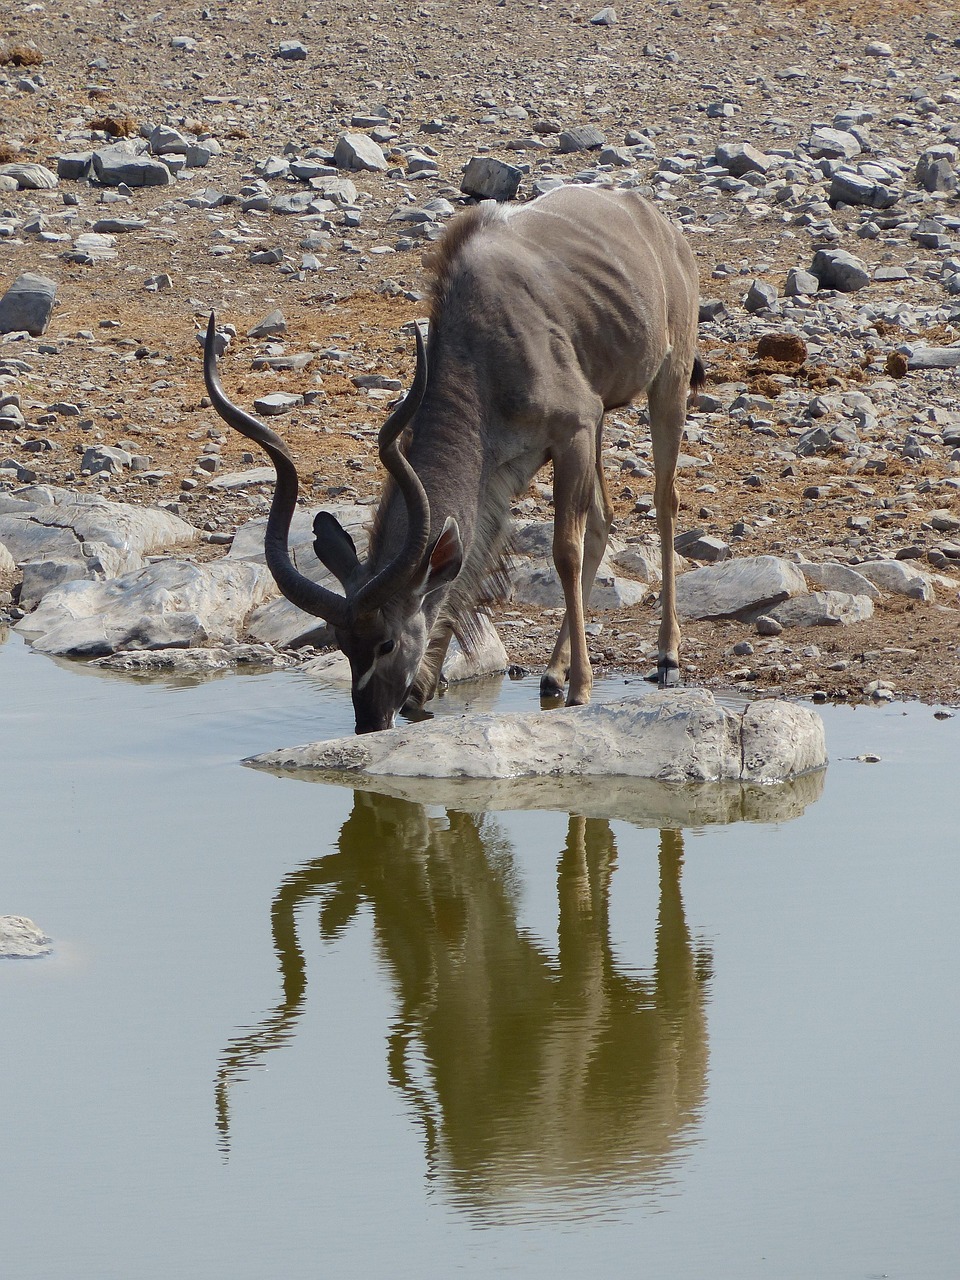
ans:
(667, 402)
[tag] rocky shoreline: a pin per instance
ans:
(289, 170)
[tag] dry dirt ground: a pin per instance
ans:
(129, 358)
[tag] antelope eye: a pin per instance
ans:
(385, 647)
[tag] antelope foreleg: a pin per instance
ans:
(573, 493)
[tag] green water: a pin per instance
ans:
(296, 1030)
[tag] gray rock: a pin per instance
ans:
(739, 158)
(837, 269)
(849, 187)
(833, 144)
(490, 179)
(192, 661)
(29, 176)
(41, 576)
(583, 138)
(830, 575)
(102, 457)
(536, 583)
(165, 141)
(291, 51)
(896, 577)
(737, 587)
(823, 608)
(108, 537)
(21, 939)
(935, 170)
(761, 296)
(74, 165)
(800, 283)
(92, 247)
(122, 163)
(271, 326)
(277, 402)
(679, 736)
(167, 604)
(7, 562)
(934, 358)
(358, 151)
(28, 304)
(118, 226)
(605, 17)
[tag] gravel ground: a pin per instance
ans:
(120, 362)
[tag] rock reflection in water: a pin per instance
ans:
(532, 1078)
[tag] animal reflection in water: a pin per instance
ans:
(531, 1077)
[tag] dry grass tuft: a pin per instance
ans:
(8, 153)
(116, 126)
(21, 55)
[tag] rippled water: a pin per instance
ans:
(294, 1029)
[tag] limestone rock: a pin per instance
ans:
(837, 269)
(28, 304)
(830, 575)
(122, 163)
(490, 179)
(896, 577)
(737, 587)
(170, 603)
(358, 151)
(823, 608)
(20, 939)
(675, 736)
(30, 176)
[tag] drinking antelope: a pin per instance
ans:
(543, 316)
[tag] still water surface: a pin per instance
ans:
(294, 1030)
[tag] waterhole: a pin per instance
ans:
(302, 1030)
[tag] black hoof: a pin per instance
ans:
(550, 687)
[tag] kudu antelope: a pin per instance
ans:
(543, 317)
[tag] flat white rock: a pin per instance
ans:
(671, 736)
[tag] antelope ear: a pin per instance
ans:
(334, 547)
(446, 557)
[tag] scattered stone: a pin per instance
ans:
(358, 151)
(737, 587)
(800, 283)
(28, 304)
(123, 164)
(822, 609)
(761, 296)
(739, 158)
(21, 939)
(605, 17)
(273, 325)
(583, 138)
(291, 51)
(934, 358)
(277, 402)
(896, 577)
(169, 603)
(837, 269)
(29, 176)
(489, 179)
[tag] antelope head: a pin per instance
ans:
(382, 622)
